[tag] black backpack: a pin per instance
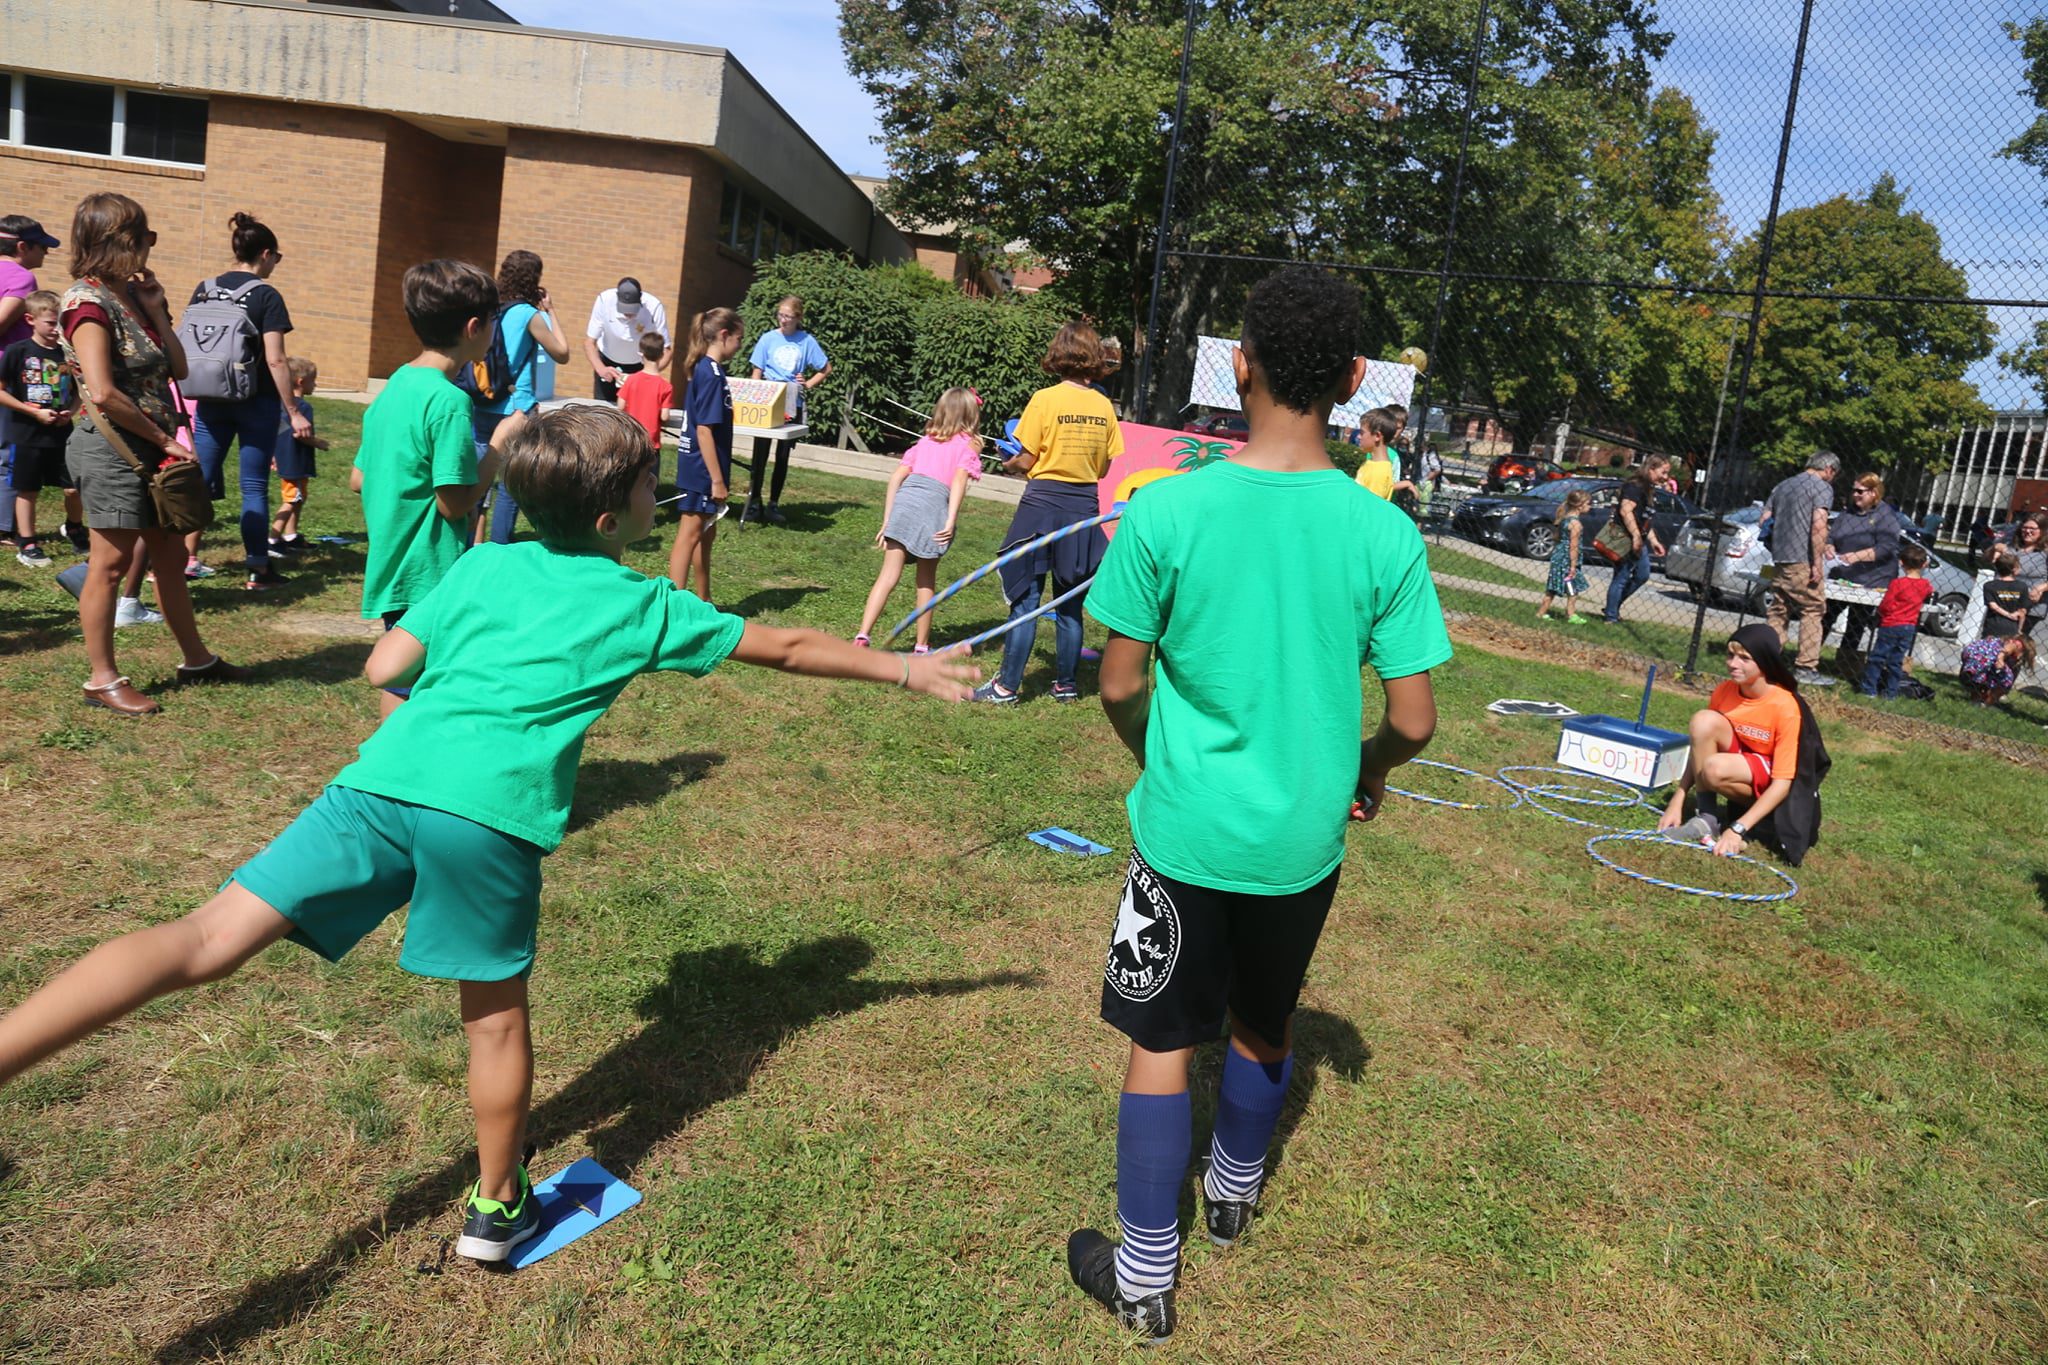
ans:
(490, 379)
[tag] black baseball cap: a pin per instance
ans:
(15, 228)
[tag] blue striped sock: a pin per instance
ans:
(1247, 1111)
(1153, 1140)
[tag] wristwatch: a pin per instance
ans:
(1739, 829)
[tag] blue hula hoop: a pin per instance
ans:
(1558, 791)
(1534, 795)
(1006, 627)
(1456, 805)
(1791, 887)
(1007, 557)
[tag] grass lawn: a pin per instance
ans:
(803, 982)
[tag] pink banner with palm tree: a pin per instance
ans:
(1154, 453)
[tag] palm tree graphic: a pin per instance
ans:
(1196, 452)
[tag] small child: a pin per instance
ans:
(1377, 471)
(1898, 621)
(418, 469)
(1991, 666)
(2005, 597)
(645, 397)
(295, 460)
(704, 454)
(452, 805)
(36, 386)
(922, 506)
(1567, 561)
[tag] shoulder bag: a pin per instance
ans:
(1611, 542)
(177, 487)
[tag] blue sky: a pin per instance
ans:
(1926, 89)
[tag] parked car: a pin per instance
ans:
(1228, 426)
(1738, 569)
(1527, 522)
(1519, 473)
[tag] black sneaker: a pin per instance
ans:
(269, 577)
(1066, 691)
(492, 1229)
(1091, 1260)
(774, 515)
(280, 548)
(1227, 1219)
(80, 538)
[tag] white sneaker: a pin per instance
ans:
(131, 612)
(1701, 829)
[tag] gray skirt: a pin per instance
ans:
(114, 496)
(919, 513)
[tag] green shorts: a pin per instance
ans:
(352, 858)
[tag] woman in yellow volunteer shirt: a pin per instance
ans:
(1070, 434)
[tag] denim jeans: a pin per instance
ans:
(504, 510)
(253, 425)
(1882, 673)
(1066, 637)
(1629, 575)
(6, 490)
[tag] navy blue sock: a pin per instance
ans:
(1247, 1111)
(1153, 1140)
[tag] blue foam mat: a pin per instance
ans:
(580, 1198)
(1066, 841)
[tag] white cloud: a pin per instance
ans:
(790, 46)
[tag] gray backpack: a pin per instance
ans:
(223, 349)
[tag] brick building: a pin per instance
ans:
(370, 137)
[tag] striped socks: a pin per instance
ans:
(1247, 1111)
(1153, 1141)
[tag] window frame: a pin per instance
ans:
(16, 127)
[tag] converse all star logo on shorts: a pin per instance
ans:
(1147, 940)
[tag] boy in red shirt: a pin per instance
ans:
(646, 396)
(1898, 621)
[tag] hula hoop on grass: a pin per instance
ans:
(1006, 627)
(1457, 805)
(1610, 798)
(1007, 557)
(1791, 887)
(1534, 795)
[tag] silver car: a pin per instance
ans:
(1738, 569)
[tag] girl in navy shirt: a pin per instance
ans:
(704, 451)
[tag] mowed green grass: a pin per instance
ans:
(804, 983)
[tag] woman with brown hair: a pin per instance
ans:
(1864, 539)
(117, 334)
(527, 326)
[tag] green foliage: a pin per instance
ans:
(1874, 382)
(901, 331)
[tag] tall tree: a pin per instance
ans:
(1872, 380)
(2030, 357)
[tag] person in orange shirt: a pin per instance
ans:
(645, 396)
(1745, 745)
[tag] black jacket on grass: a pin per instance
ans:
(1794, 826)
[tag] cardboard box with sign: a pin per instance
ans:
(763, 402)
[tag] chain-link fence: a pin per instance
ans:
(1726, 234)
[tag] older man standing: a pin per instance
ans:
(1797, 510)
(619, 318)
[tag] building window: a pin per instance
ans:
(104, 120)
(755, 231)
(728, 213)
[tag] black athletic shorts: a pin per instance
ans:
(1183, 957)
(37, 467)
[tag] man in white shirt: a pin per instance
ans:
(619, 318)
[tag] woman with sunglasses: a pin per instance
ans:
(1865, 539)
(117, 334)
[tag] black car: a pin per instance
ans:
(1527, 522)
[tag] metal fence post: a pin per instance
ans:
(1180, 115)
(1756, 312)
(1443, 274)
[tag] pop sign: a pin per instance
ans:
(1151, 454)
(1606, 746)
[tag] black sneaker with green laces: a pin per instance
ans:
(493, 1229)
(1091, 1260)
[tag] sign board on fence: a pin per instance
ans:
(1606, 746)
(1152, 453)
(1215, 383)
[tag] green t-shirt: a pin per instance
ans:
(1263, 594)
(417, 436)
(526, 647)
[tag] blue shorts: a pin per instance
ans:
(351, 858)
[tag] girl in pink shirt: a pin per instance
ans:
(923, 504)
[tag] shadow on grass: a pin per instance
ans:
(719, 1014)
(1321, 1041)
(339, 662)
(604, 785)
(2041, 889)
(773, 599)
(39, 628)
(811, 516)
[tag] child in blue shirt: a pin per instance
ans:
(295, 462)
(788, 352)
(704, 449)
(451, 805)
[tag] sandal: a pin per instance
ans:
(120, 697)
(215, 669)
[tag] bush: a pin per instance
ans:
(1344, 455)
(992, 346)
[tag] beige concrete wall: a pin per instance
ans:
(447, 69)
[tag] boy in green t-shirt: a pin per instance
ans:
(1247, 771)
(417, 467)
(452, 803)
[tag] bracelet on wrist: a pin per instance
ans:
(906, 670)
